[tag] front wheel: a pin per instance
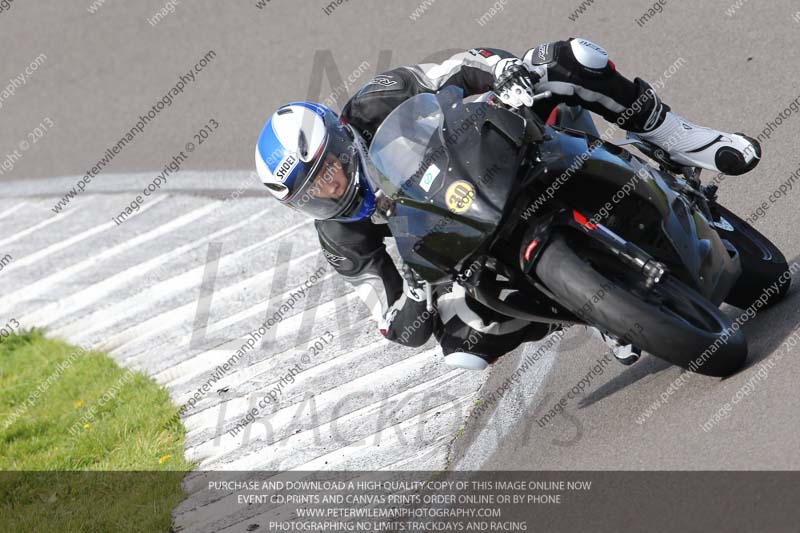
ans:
(671, 320)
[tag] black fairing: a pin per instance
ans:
(450, 172)
(702, 257)
(477, 147)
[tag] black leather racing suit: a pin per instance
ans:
(356, 249)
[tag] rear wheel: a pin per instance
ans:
(671, 320)
(762, 263)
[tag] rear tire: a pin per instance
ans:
(677, 324)
(762, 262)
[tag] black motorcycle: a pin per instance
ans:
(549, 223)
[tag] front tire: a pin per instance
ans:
(675, 322)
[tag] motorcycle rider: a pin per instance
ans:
(316, 162)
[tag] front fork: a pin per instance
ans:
(630, 254)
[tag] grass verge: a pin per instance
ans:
(84, 444)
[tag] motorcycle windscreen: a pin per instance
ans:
(408, 138)
(439, 215)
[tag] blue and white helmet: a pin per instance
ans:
(309, 160)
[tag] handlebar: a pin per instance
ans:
(542, 96)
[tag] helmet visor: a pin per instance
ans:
(332, 184)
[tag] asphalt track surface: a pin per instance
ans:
(135, 289)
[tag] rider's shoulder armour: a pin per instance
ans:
(589, 54)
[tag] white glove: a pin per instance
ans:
(414, 293)
(513, 83)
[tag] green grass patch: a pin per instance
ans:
(84, 444)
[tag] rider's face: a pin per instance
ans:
(331, 180)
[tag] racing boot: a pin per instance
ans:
(697, 146)
(689, 144)
(627, 354)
